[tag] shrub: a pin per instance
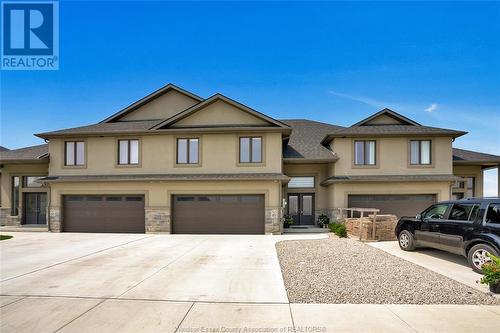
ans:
(491, 271)
(338, 229)
(323, 220)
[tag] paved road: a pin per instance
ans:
(150, 283)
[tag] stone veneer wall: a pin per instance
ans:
(273, 221)
(384, 227)
(55, 219)
(157, 219)
(6, 219)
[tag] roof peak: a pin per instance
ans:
(399, 118)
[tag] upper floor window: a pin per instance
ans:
(420, 152)
(251, 149)
(74, 153)
(128, 152)
(364, 152)
(188, 151)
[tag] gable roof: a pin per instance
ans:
(387, 112)
(37, 153)
(304, 144)
(407, 127)
(122, 127)
(134, 106)
(218, 97)
(462, 156)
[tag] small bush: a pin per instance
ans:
(338, 229)
(491, 271)
(5, 237)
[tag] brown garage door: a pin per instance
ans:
(399, 205)
(218, 214)
(103, 213)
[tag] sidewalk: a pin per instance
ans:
(62, 314)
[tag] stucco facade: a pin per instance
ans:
(289, 150)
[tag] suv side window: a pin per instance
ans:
(464, 212)
(435, 212)
(493, 213)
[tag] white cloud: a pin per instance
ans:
(432, 107)
(364, 100)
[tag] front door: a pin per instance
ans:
(35, 208)
(301, 208)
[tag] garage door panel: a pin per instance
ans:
(218, 214)
(399, 205)
(104, 214)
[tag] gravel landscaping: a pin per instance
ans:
(342, 270)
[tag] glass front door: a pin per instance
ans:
(35, 208)
(301, 208)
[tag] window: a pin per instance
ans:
(470, 181)
(435, 212)
(465, 188)
(251, 149)
(457, 196)
(187, 151)
(364, 152)
(14, 211)
(464, 212)
(493, 213)
(74, 152)
(301, 182)
(30, 181)
(420, 152)
(128, 152)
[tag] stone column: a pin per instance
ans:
(157, 220)
(55, 219)
(273, 221)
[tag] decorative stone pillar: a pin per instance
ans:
(55, 219)
(273, 220)
(157, 220)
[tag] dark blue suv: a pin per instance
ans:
(469, 227)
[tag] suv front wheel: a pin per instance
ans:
(406, 241)
(478, 255)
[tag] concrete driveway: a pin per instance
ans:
(150, 267)
(174, 283)
(448, 264)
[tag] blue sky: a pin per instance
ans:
(337, 62)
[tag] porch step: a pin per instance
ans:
(24, 228)
(305, 230)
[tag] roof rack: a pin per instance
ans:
(479, 198)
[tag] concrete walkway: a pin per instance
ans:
(174, 283)
(62, 314)
(450, 265)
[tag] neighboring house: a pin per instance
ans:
(174, 162)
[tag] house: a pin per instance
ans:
(174, 162)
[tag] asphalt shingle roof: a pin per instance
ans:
(305, 140)
(389, 178)
(153, 177)
(117, 127)
(25, 154)
(469, 156)
(391, 130)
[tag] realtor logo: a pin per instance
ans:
(30, 35)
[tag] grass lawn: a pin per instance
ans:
(4, 237)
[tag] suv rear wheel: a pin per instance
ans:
(478, 255)
(406, 241)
